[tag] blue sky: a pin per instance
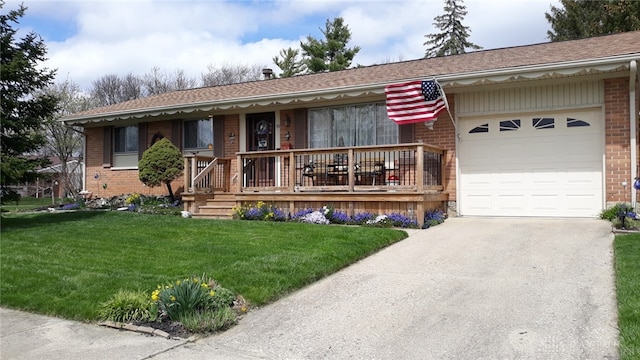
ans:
(87, 39)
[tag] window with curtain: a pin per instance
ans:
(125, 139)
(125, 147)
(198, 134)
(351, 125)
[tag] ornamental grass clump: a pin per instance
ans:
(127, 306)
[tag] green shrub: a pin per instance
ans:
(614, 212)
(127, 306)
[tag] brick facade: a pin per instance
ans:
(617, 140)
(617, 152)
(443, 135)
(106, 182)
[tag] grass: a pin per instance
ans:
(27, 203)
(66, 264)
(627, 266)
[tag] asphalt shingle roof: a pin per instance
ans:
(590, 49)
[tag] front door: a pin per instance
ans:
(261, 137)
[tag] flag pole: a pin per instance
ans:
(446, 103)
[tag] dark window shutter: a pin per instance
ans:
(176, 133)
(218, 136)
(142, 139)
(106, 146)
(405, 132)
(300, 129)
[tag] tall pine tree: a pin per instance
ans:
(453, 39)
(24, 108)
(330, 53)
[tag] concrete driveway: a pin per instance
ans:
(468, 289)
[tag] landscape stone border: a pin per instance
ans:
(144, 330)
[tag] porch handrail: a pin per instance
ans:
(398, 147)
(205, 173)
(414, 167)
(206, 170)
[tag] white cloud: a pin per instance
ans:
(133, 36)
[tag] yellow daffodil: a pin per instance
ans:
(212, 293)
(172, 298)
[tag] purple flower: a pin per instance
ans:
(362, 218)
(70, 207)
(254, 214)
(339, 217)
(279, 215)
(301, 213)
(400, 220)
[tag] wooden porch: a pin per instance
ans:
(407, 179)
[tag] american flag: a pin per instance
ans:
(415, 101)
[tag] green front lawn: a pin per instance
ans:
(67, 264)
(27, 203)
(627, 263)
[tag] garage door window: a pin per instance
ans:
(484, 128)
(576, 123)
(509, 125)
(543, 123)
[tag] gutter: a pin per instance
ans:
(633, 68)
(529, 71)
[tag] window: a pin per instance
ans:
(125, 146)
(484, 128)
(576, 123)
(509, 125)
(125, 140)
(352, 125)
(543, 123)
(198, 134)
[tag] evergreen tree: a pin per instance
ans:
(161, 164)
(289, 63)
(330, 53)
(23, 109)
(453, 39)
(578, 19)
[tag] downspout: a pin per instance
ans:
(84, 161)
(633, 129)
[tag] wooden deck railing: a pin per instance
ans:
(205, 174)
(407, 167)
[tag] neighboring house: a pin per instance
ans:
(55, 179)
(540, 130)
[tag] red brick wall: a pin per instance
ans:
(617, 142)
(443, 135)
(120, 181)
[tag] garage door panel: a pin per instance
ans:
(533, 171)
(510, 202)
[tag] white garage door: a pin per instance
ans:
(532, 165)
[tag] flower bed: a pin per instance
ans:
(328, 215)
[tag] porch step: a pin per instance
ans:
(220, 207)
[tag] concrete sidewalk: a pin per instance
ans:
(467, 289)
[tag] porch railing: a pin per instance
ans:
(205, 174)
(407, 167)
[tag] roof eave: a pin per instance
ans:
(607, 64)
